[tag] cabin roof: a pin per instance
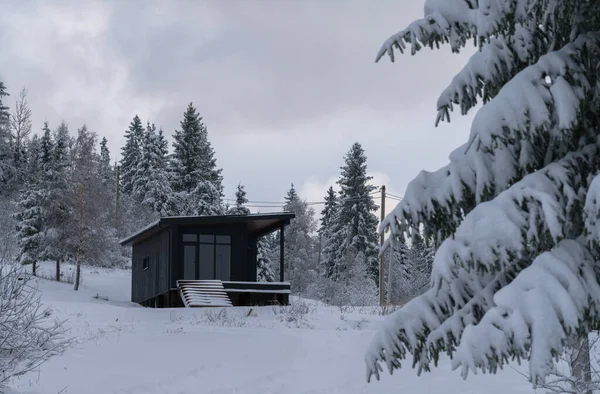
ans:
(257, 224)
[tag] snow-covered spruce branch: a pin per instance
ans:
(529, 105)
(28, 337)
(516, 62)
(470, 267)
(504, 152)
(535, 313)
(454, 22)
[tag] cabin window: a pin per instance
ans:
(190, 238)
(209, 239)
(145, 263)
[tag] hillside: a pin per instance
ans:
(304, 348)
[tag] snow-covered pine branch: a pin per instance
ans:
(514, 200)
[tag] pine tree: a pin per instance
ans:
(264, 273)
(514, 213)
(131, 154)
(152, 188)
(240, 201)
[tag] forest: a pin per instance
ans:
(67, 198)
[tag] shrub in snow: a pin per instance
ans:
(514, 214)
(356, 288)
(28, 335)
(564, 376)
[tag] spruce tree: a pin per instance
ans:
(46, 149)
(337, 256)
(63, 143)
(31, 203)
(240, 201)
(193, 162)
(57, 182)
(355, 223)
(30, 223)
(204, 200)
(332, 236)
(514, 214)
(152, 188)
(107, 175)
(331, 206)
(131, 154)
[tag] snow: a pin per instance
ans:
(305, 348)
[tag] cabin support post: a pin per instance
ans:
(281, 254)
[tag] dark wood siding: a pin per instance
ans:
(251, 259)
(148, 283)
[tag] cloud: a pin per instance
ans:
(285, 87)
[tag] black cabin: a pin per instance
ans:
(205, 261)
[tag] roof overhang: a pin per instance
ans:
(257, 224)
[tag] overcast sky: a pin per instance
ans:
(284, 86)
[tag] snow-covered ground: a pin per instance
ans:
(305, 348)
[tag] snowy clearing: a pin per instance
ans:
(304, 348)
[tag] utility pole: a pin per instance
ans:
(381, 260)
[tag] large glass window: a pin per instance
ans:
(207, 261)
(223, 262)
(189, 262)
(208, 257)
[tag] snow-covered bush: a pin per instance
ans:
(514, 214)
(358, 289)
(28, 334)
(564, 377)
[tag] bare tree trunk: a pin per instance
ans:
(77, 272)
(80, 235)
(580, 365)
(58, 270)
(34, 268)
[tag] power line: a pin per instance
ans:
(278, 204)
(395, 196)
